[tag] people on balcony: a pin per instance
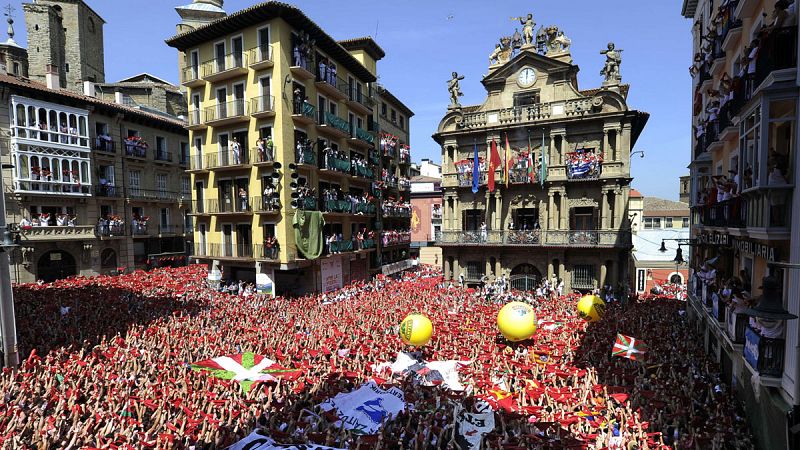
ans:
(389, 144)
(243, 201)
(236, 151)
(270, 202)
(103, 141)
(265, 149)
(584, 164)
(271, 247)
(304, 150)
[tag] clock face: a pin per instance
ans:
(526, 77)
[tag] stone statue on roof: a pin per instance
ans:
(611, 68)
(454, 87)
(528, 24)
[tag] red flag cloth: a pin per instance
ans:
(494, 163)
(619, 397)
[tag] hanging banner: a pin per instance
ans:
(331, 271)
(264, 284)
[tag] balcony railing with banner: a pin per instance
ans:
(365, 136)
(135, 193)
(538, 238)
(308, 204)
(365, 208)
(340, 246)
(763, 354)
(305, 155)
(366, 244)
(363, 171)
(337, 122)
(332, 162)
(736, 326)
(304, 109)
(337, 206)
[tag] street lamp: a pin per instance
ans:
(8, 326)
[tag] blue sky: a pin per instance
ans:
(426, 40)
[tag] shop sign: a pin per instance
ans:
(755, 249)
(713, 239)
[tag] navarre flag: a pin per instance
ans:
(494, 163)
(628, 347)
(246, 368)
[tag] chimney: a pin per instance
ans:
(119, 98)
(88, 89)
(51, 77)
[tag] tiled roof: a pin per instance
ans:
(636, 194)
(659, 204)
(424, 179)
(262, 12)
(367, 43)
(26, 84)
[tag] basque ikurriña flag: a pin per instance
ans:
(628, 347)
(246, 368)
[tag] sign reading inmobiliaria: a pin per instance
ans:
(364, 409)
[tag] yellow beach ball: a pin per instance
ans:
(416, 329)
(517, 321)
(591, 308)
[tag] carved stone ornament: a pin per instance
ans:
(582, 202)
(523, 199)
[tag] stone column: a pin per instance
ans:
(447, 269)
(602, 280)
(488, 269)
(617, 209)
(487, 211)
(549, 269)
(456, 213)
(498, 267)
(498, 211)
(552, 224)
(604, 211)
(456, 268)
(552, 153)
(561, 273)
(564, 212)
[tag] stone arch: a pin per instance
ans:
(55, 265)
(675, 278)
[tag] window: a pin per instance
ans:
(583, 218)
(394, 116)
(652, 223)
(526, 98)
(184, 152)
(526, 219)
(185, 186)
(16, 68)
(383, 109)
(668, 222)
(583, 276)
(198, 145)
(474, 270)
(402, 122)
(164, 217)
(265, 132)
(135, 178)
(132, 132)
(473, 219)
(161, 183)
(781, 141)
(685, 223)
(66, 67)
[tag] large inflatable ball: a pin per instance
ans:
(416, 329)
(591, 308)
(517, 321)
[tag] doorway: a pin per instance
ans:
(55, 265)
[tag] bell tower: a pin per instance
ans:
(199, 13)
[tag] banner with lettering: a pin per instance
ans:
(364, 409)
(256, 441)
(470, 427)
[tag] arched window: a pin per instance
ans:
(676, 278)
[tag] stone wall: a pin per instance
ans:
(46, 41)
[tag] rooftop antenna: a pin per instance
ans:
(377, 22)
(10, 14)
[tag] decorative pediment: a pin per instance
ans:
(528, 58)
(582, 202)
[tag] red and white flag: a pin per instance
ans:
(628, 347)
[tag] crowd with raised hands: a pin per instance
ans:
(110, 363)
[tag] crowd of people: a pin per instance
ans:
(107, 364)
(584, 164)
(48, 220)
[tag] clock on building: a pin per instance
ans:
(526, 77)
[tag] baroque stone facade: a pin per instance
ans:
(561, 170)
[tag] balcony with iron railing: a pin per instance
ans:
(343, 246)
(231, 65)
(362, 137)
(393, 238)
(304, 154)
(240, 251)
(164, 229)
(227, 113)
(363, 171)
(228, 205)
(306, 204)
(404, 184)
(262, 107)
(553, 238)
(196, 164)
(108, 191)
(104, 144)
(729, 213)
(135, 147)
(140, 229)
(191, 76)
(227, 159)
(195, 120)
(396, 211)
(359, 102)
(266, 205)
(331, 85)
(334, 163)
(777, 51)
(261, 57)
(736, 326)
(163, 156)
(764, 355)
(110, 230)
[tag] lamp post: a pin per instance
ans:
(8, 327)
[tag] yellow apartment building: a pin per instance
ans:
(283, 138)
